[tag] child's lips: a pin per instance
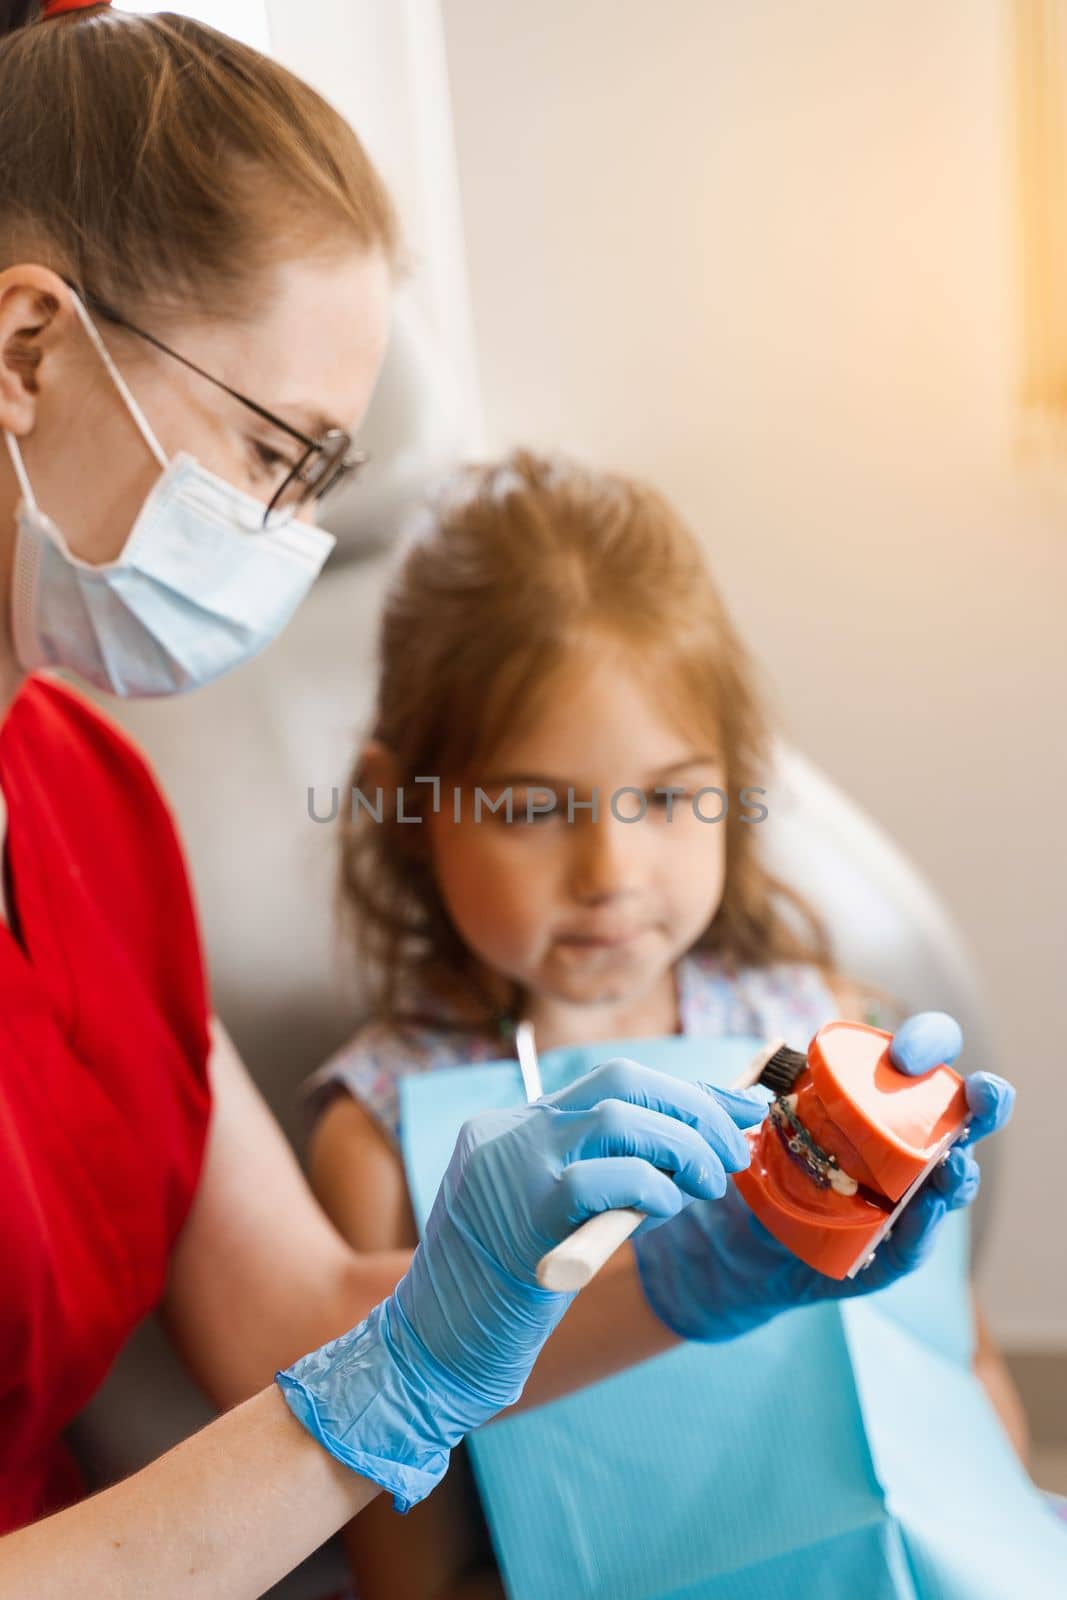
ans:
(601, 941)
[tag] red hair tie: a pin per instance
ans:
(57, 8)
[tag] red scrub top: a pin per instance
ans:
(104, 1098)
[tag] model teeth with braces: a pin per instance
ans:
(823, 1169)
(843, 1101)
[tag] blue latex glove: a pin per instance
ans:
(455, 1342)
(716, 1271)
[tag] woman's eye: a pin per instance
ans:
(267, 462)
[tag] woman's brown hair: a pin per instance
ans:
(153, 160)
(510, 568)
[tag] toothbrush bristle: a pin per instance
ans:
(783, 1070)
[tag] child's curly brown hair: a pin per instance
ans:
(506, 570)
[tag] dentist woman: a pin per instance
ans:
(195, 262)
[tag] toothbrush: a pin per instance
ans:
(572, 1264)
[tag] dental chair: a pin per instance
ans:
(238, 760)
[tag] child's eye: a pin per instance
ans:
(677, 797)
(521, 816)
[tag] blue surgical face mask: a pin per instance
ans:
(199, 586)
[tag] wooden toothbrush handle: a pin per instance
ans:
(579, 1258)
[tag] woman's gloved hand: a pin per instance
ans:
(717, 1272)
(455, 1342)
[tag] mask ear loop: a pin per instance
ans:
(143, 427)
(25, 488)
(141, 421)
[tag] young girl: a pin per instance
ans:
(603, 691)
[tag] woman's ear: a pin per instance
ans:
(35, 315)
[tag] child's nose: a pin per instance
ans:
(604, 860)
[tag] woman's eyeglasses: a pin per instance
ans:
(324, 463)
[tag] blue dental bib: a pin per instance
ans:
(842, 1450)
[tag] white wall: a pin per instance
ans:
(245, 19)
(383, 66)
(762, 253)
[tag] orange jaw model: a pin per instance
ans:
(839, 1157)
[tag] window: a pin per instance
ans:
(1041, 111)
(244, 19)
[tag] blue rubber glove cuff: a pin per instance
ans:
(376, 1392)
(359, 1354)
